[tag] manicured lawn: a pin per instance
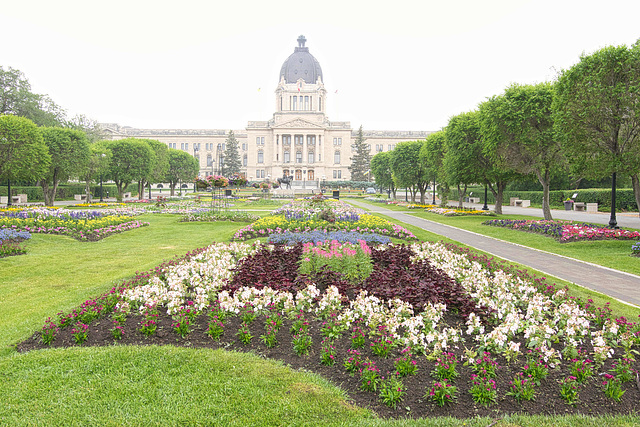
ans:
(161, 385)
(58, 273)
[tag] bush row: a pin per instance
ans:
(625, 200)
(65, 191)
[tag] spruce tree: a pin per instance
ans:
(232, 162)
(361, 160)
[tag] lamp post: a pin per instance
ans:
(433, 190)
(149, 191)
(485, 207)
(613, 223)
(195, 156)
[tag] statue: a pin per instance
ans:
(285, 180)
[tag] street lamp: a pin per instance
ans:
(433, 190)
(195, 155)
(485, 207)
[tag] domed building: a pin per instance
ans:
(299, 140)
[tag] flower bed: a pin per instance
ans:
(10, 242)
(428, 328)
(81, 225)
(566, 231)
(289, 238)
(457, 211)
(326, 216)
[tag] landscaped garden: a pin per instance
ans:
(566, 231)
(413, 329)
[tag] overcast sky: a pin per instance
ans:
(396, 65)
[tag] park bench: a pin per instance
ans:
(474, 199)
(126, 195)
(14, 199)
(579, 206)
(80, 196)
(522, 203)
(592, 207)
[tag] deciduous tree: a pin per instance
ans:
(408, 170)
(131, 161)
(597, 115)
(381, 169)
(182, 167)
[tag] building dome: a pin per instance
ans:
(301, 64)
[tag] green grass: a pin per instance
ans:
(59, 273)
(614, 254)
(123, 385)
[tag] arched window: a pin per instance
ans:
(260, 156)
(336, 157)
(209, 160)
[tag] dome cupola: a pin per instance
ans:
(301, 65)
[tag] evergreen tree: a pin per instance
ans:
(361, 160)
(232, 162)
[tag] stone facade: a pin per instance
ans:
(299, 140)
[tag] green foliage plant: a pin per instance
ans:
(353, 261)
(302, 343)
(243, 334)
(391, 391)
(521, 388)
(442, 392)
(569, 390)
(483, 390)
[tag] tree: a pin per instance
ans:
(131, 161)
(463, 163)
(16, 98)
(90, 127)
(519, 127)
(232, 163)
(361, 161)
(23, 153)
(432, 154)
(69, 151)
(182, 167)
(408, 170)
(381, 170)
(97, 167)
(597, 115)
(159, 165)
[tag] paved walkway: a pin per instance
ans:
(622, 286)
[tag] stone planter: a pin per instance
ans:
(567, 205)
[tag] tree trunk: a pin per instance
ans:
(497, 194)
(461, 195)
(87, 190)
(172, 187)
(45, 192)
(635, 183)
(545, 180)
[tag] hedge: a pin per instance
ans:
(65, 191)
(625, 199)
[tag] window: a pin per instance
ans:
(298, 156)
(335, 174)
(198, 146)
(244, 160)
(339, 174)
(311, 157)
(259, 140)
(286, 157)
(182, 145)
(319, 104)
(311, 140)
(389, 147)
(286, 139)
(260, 156)
(244, 146)
(336, 157)
(209, 160)
(306, 103)
(337, 141)
(319, 157)
(298, 139)
(295, 103)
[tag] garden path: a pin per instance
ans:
(617, 284)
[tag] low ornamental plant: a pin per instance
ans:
(483, 390)
(331, 328)
(405, 364)
(216, 328)
(300, 324)
(49, 331)
(181, 325)
(327, 352)
(485, 366)
(623, 369)
(537, 369)
(243, 334)
(445, 368)
(521, 388)
(442, 393)
(581, 369)
(353, 362)
(269, 337)
(248, 314)
(353, 261)
(117, 331)
(357, 336)
(391, 391)
(369, 376)
(612, 387)
(79, 332)
(149, 324)
(217, 312)
(383, 344)
(302, 343)
(569, 390)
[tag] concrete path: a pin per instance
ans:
(622, 286)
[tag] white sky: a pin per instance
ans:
(397, 65)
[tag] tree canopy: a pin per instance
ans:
(132, 160)
(518, 126)
(23, 153)
(182, 167)
(408, 170)
(381, 169)
(432, 154)
(69, 151)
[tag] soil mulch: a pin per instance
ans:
(592, 400)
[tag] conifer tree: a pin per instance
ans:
(361, 160)
(232, 162)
